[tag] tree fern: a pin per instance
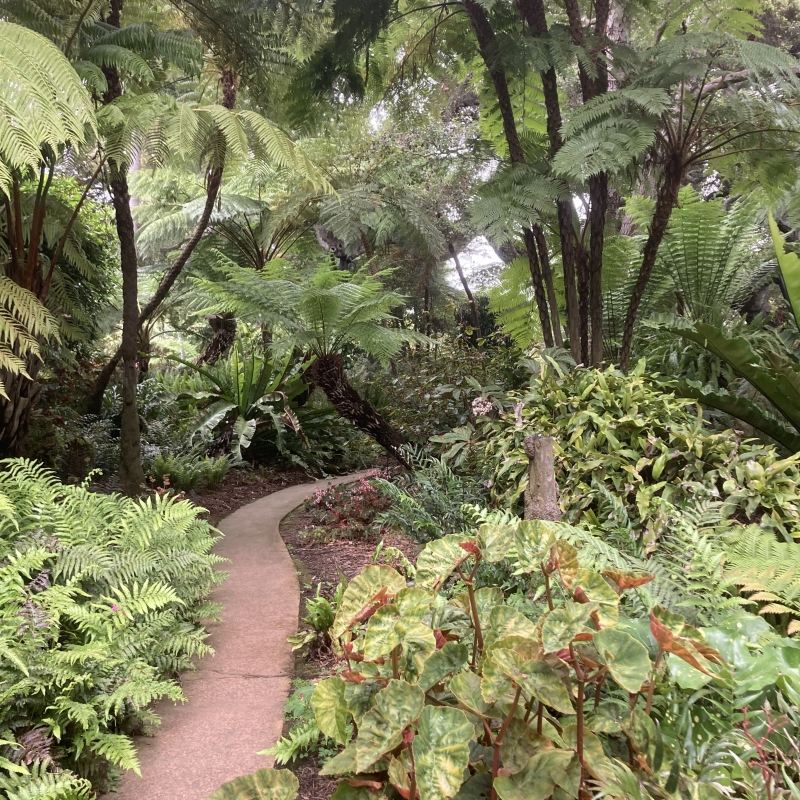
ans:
(44, 105)
(513, 304)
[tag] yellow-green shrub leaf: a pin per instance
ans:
(382, 636)
(437, 561)
(466, 686)
(563, 624)
(396, 707)
(330, 708)
(496, 541)
(266, 784)
(374, 582)
(534, 539)
(441, 752)
(626, 658)
(448, 661)
(342, 763)
(540, 777)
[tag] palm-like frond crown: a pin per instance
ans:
(23, 321)
(334, 311)
(43, 104)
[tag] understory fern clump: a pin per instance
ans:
(303, 738)
(101, 603)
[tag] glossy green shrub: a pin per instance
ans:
(101, 602)
(626, 449)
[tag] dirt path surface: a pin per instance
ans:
(236, 697)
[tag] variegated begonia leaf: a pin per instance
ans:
(534, 539)
(330, 708)
(563, 624)
(496, 541)
(626, 658)
(441, 752)
(266, 784)
(593, 587)
(439, 559)
(541, 775)
(373, 588)
(486, 599)
(519, 744)
(466, 686)
(396, 707)
(451, 659)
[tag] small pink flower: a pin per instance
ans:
(114, 607)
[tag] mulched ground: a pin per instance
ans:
(240, 487)
(325, 561)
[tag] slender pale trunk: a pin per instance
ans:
(533, 14)
(131, 474)
(476, 320)
(230, 85)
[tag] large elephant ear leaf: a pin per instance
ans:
(364, 595)
(789, 264)
(441, 752)
(266, 784)
(626, 658)
(330, 708)
(396, 707)
(440, 558)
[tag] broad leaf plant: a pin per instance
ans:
(452, 692)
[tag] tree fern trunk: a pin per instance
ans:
(328, 373)
(131, 474)
(533, 14)
(666, 200)
(230, 85)
(490, 53)
(15, 413)
(538, 286)
(598, 197)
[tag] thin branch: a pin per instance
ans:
(78, 25)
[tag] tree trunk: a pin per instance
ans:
(476, 320)
(224, 327)
(230, 85)
(538, 286)
(328, 373)
(541, 494)
(547, 273)
(533, 14)
(490, 53)
(131, 474)
(15, 413)
(598, 197)
(666, 200)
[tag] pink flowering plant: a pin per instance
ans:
(350, 511)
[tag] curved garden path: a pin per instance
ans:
(236, 697)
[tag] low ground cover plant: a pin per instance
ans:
(101, 604)
(351, 509)
(589, 689)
